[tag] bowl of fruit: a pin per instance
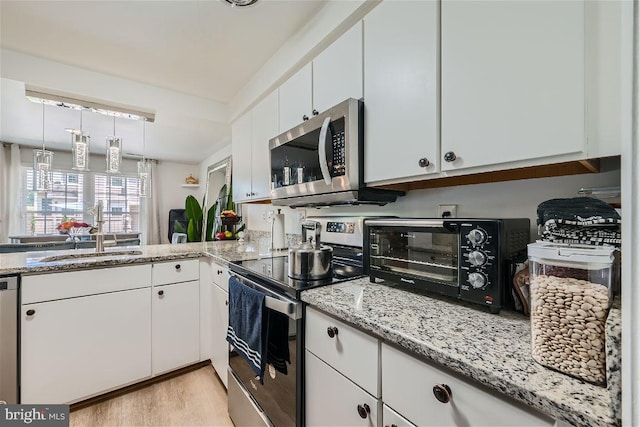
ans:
(229, 217)
(225, 235)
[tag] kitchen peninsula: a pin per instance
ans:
(486, 349)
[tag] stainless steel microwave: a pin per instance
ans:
(320, 161)
(460, 258)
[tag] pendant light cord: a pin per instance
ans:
(114, 125)
(43, 127)
(144, 137)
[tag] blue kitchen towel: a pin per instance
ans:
(246, 332)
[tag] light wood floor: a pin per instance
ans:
(196, 398)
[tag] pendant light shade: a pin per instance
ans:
(42, 165)
(114, 151)
(144, 170)
(144, 178)
(42, 170)
(80, 149)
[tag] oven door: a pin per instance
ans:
(418, 253)
(321, 155)
(279, 396)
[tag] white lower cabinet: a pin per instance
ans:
(220, 350)
(75, 348)
(214, 316)
(176, 335)
(391, 418)
(333, 400)
(411, 387)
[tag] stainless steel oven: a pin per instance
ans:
(320, 161)
(279, 399)
(271, 401)
(461, 258)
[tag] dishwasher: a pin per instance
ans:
(9, 339)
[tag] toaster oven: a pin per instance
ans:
(461, 258)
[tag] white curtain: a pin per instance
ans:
(150, 221)
(13, 216)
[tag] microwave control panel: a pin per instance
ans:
(339, 157)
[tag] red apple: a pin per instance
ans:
(220, 236)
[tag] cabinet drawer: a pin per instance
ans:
(220, 275)
(351, 352)
(49, 287)
(182, 270)
(333, 400)
(407, 387)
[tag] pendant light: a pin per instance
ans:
(114, 151)
(144, 170)
(42, 165)
(80, 149)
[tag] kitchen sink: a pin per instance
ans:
(98, 255)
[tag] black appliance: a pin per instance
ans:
(321, 161)
(279, 400)
(462, 258)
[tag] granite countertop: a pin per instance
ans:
(221, 251)
(494, 350)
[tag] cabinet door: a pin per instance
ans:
(337, 71)
(220, 319)
(407, 387)
(241, 157)
(264, 126)
(295, 99)
(175, 332)
(512, 80)
(391, 418)
(76, 348)
(333, 400)
(401, 90)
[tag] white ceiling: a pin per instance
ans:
(202, 48)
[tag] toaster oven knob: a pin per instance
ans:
(477, 280)
(477, 258)
(477, 237)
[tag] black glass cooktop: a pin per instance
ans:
(275, 272)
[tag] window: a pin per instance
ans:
(72, 195)
(121, 202)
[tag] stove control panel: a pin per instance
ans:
(341, 227)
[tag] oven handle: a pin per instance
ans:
(279, 303)
(322, 150)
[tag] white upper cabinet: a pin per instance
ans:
(250, 135)
(401, 90)
(295, 99)
(264, 126)
(241, 157)
(512, 81)
(337, 71)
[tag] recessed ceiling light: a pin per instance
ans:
(240, 3)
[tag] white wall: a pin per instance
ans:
(512, 199)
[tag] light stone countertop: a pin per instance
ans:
(221, 251)
(494, 350)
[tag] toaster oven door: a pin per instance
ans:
(416, 256)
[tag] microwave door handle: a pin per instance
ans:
(322, 150)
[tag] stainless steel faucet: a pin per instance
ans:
(99, 216)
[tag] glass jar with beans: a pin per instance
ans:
(571, 292)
